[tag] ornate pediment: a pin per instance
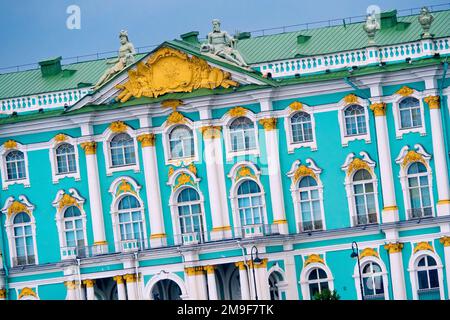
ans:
(168, 70)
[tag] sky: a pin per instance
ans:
(33, 30)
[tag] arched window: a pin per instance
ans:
(190, 215)
(317, 281)
(311, 213)
(73, 228)
(355, 120)
(419, 191)
(65, 159)
(274, 280)
(427, 279)
(250, 204)
(130, 220)
(242, 134)
(181, 141)
(23, 240)
(15, 165)
(364, 198)
(410, 116)
(372, 279)
(122, 150)
(301, 127)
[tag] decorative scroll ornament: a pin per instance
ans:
(194, 271)
(394, 247)
(379, 109)
(296, 106)
(125, 187)
(61, 137)
(244, 172)
(66, 201)
(147, 139)
(171, 171)
(10, 144)
(423, 246)
(169, 70)
(25, 292)
(89, 283)
(89, 147)
(358, 164)
(303, 171)
(71, 285)
(433, 102)
(2, 294)
(237, 112)
(445, 240)
(411, 157)
(313, 258)
(17, 207)
(368, 252)
(211, 132)
(350, 99)
(192, 168)
(182, 180)
(405, 91)
(173, 103)
(118, 127)
(175, 117)
(269, 123)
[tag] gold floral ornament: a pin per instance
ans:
(173, 103)
(147, 139)
(445, 240)
(423, 246)
(433, 102)
(211, 132)
(175, 117)
(10, 144)
(296, 106)
(118, 127)
(313, 258)
(350, 98)
(125, 187)
(394, 247)
(411, 157)
(237, 112)
(67, 200)
(303, 171)
(61, 137)
(379, 109)
(405, 91)
(244, 172)
(89, 147)
(368, 252)
(2, 293)
(25, 292)
(171, 171)
(192, 168)
(269, 123)
(182, 180)
(358, 164)
(17, 207)
(169, 70)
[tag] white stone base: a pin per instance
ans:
(390, 215)
(443, 209)
(220, 234)
(158, 242)
(99, 248)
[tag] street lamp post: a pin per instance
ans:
(255, 260)
(355, 254)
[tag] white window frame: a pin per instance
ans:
(304, 282)
(54, 144)
(106, 138)
(349, 185)
(342, 105)
(384, 274)
(282, 284)
(395, 101)
(9, 226)
(403, 176)
(114, 209)
(3, 152)
(413, 268)
(295, 191)
(288, 113)
(67, 253)
(166, 143)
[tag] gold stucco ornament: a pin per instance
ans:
(433, 102)
(27, 292)
(172, 103)
(169, 70)
(244, 172)
(89, 147)
(211, 132)
(423, 246)
(66, 201)
(411, 157)
(379, 109)
(445, 240)
(10, 144)
(192, 168)
(182, 180)
(394, 247)
(61, 137)
(175, 117)
(368, 252)
(405, 91)
(125, 187)
(313, 258)
(296, 106)
(350, 99)
(237, 112)
(269, 123)
(17, 207)
(118, 127)
(303, 171)
(358, 164)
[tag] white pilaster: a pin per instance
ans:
(243, 280)
(158, 234)
(121, 292)
(71, 290)
(89, 289)
(130, 280)
(212, 285)
(197, 283)
(446, 243)
(397, 272)
(291, 275)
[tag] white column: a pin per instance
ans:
(390, 209)
(291, 277)
(243, 279)
(446, 243)
(216, 182)
(71, 290)
(197, 283)
(397, 272)
(273, 162)
(95, 200)
(262, 281)
(212, 285)
(89, 289)
(440, 158)
(158, 234)
(121, 293)
(130, 280)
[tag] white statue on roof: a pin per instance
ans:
(125, 58)
(371, 26)
(221, 44)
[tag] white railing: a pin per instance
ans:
(42, 101)
(361, 57)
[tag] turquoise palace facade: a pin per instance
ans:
(161, 179)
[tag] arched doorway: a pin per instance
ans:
(235, 285)
(274, 281)
(166, 290)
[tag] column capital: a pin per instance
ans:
(118, 279)
(240, 265)
(89, 147)
(394, 247)
(147, 139)
(268, 123)
(129, 278)
(70, 285)
(211, 132)
(194, 271)
(209, 269)
(445, 240)
(378, 108)
(2, 293)
(433, 102)
(89, 283)
(263, 263)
